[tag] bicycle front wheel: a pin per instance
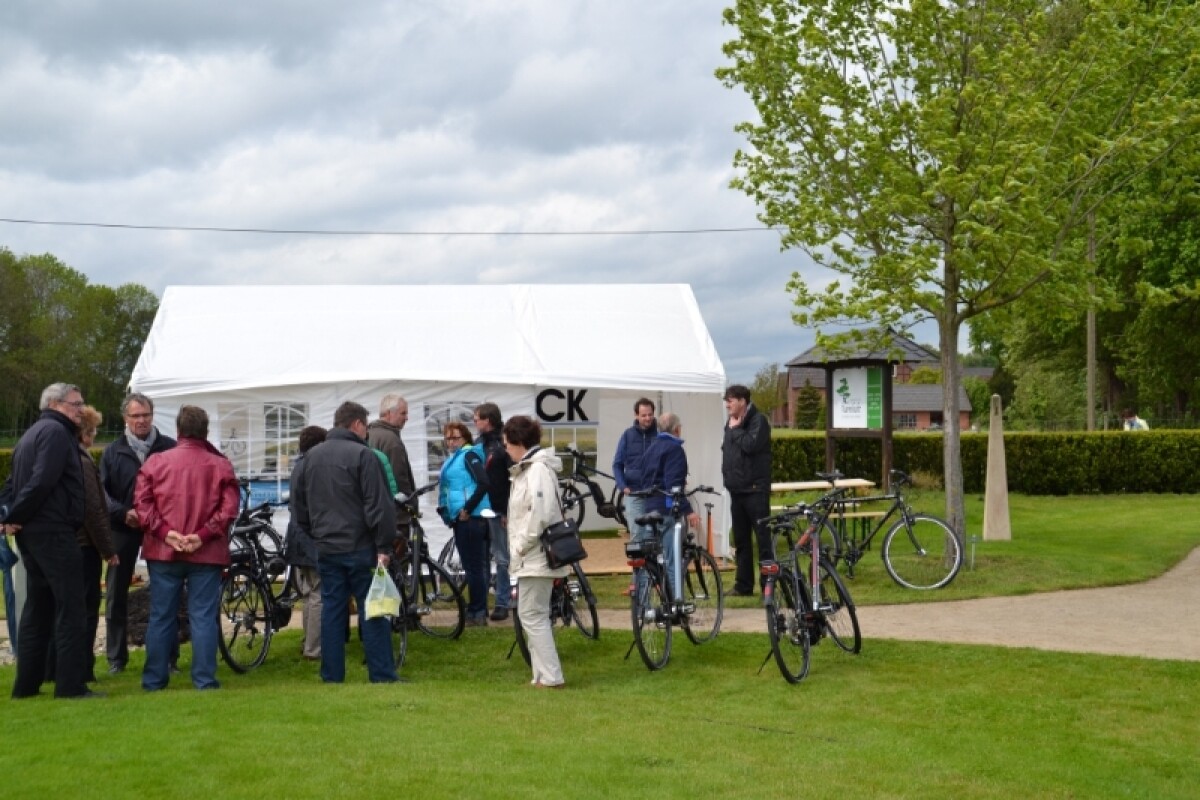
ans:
(837, 610)
(790, 642)
(450, 562)
(245, 620)
(582, 603)
(702, 591)
(651, 611)
(437, 607)
(922, 552)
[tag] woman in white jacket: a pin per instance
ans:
(532, 506)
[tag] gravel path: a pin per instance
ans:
(1156, 619)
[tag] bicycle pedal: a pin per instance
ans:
(423, 611)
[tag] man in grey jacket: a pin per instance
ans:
(340, 496)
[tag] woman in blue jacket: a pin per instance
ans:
(462, 495)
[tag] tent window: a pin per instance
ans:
(261, 438)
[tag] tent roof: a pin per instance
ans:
(222, 338)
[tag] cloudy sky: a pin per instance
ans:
(465, 117)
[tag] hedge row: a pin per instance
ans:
(1111, 462)
(1037, 463)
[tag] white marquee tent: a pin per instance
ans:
(265, 361)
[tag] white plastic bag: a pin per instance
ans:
(383, 598)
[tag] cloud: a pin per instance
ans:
(473, 116)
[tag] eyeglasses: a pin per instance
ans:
(73, 403)
(454, 438)
(138, 416)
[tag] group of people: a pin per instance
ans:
(650, 454)
(175, 501)
(69, 517)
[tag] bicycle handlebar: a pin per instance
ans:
(401, 497)
(676, 491)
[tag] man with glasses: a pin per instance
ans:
(119, 467)
(46, 509)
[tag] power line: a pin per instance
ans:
(308, 232)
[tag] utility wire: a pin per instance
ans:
(305, 232)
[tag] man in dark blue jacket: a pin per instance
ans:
(627, 464)
(119, 466)
(46, 506)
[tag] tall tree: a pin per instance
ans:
(767, 390)
(943, 157)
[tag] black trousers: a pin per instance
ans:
(53, 611)
(747, 508)
(116, 598)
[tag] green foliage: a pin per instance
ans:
(55, 326)
(809, 404)
(944, 159)
(1109, 462)
(925, 376)
(765, 391)
(981, 400)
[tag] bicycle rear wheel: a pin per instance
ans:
(582, 603)
(400, 636)
(922, 552)
(437, 607)
(837, 610)
(245, 620)
(702, 591)
(652, 619)
(572, 504)
(790, 642)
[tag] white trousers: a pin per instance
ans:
(533, 604)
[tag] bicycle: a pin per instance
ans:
(250, 609)
(573, 500)
(804, 605)
(565, 609)
(433, 599)
(691, 597)
(256, 524)
(919, 551)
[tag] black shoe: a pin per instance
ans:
(499, 614)
(116, 669)
(477, 622)
(173, 669)
(88, 695)
(739, 593)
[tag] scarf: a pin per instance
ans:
(141, 447)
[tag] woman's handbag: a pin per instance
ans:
(383, 598)
(561, 542)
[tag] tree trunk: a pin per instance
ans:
(951, 380)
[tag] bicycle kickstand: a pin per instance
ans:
(632, 643)
(510, 651)
(765, 660)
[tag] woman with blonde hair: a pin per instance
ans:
(95, 537)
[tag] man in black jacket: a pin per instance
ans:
(489, 423)
(339, 494)
(746, 470)
(119, 466)
(46, 506)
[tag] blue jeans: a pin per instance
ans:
(167, 581)
(344, 575)
(10, 596)
(469, 538)
(498, 535)
(634, 508)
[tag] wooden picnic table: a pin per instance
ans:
(820, 486)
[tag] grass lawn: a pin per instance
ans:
(899, 720)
